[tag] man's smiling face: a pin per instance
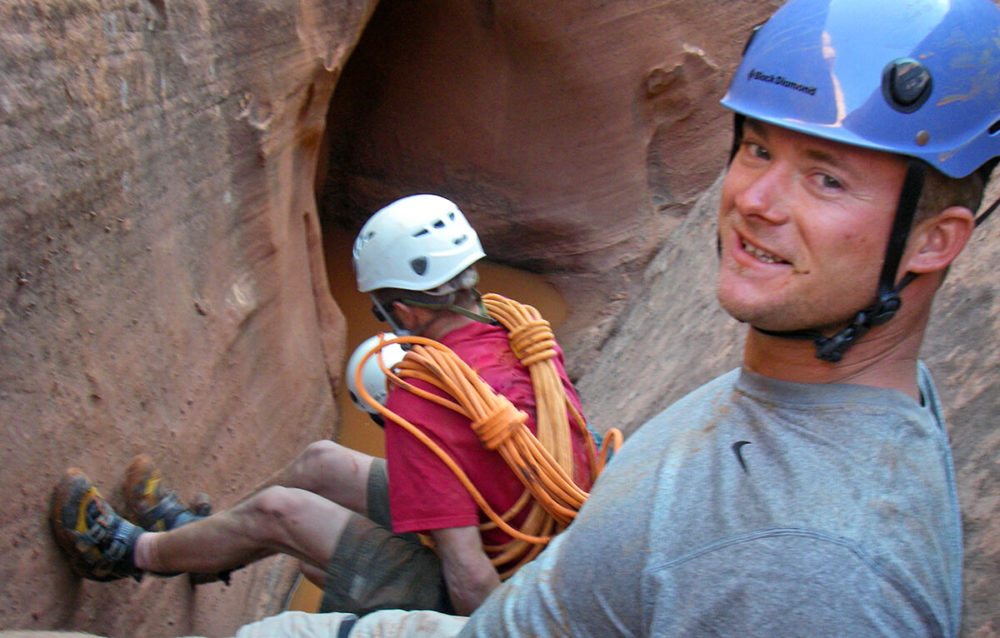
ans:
(803, 228)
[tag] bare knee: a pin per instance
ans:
(314, 462)
(275, 509)
(332, 470)
(320, 454)
(323, 457)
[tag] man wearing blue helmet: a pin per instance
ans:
(811, 491)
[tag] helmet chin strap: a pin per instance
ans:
(482, 316)
(887, 301)
(387, 315)
(447, 304)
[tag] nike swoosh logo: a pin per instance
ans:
(738, 451)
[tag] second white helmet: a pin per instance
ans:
(372, 377)
(416, 243)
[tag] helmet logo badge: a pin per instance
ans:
(906, 84)
(779, 80)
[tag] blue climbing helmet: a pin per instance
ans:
(918, 78)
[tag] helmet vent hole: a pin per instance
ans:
(439, 224)
(419, 265)
(458, 241)
(421, 232)
(995, 127)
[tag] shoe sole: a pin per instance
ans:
(67, 517)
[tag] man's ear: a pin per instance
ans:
(410, 317)
(404, 314)
(936, 242)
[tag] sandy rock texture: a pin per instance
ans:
(163, 286)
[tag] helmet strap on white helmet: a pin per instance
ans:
(382, 313)
(448, 304)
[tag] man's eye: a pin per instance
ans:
(756, 150)
(830, 182)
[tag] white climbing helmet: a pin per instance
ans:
(416, 243)
(372, 377)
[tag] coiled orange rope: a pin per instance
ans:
(543, 463)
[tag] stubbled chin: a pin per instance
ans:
(748, 298)
(731, 302)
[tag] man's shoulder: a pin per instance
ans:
(687, 411)
(484, 348)
(487, 350)
(711, 390)
(473, 332)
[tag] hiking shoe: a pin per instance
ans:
(150, 505)
(156, 509)
(98, 543)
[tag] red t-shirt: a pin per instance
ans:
(424, 493)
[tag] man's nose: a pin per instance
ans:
(765, 194)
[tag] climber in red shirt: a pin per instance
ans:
(349, 517)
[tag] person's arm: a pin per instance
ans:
(468, 572)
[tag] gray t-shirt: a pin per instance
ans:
(755, 507)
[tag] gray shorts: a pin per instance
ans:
(372, 568)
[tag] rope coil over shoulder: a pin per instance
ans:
(543, 463)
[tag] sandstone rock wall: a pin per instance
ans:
(163, 287)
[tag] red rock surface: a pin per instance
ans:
(164, 286)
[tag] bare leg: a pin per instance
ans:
(331, 470)
(273, 520)
(300, 510)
